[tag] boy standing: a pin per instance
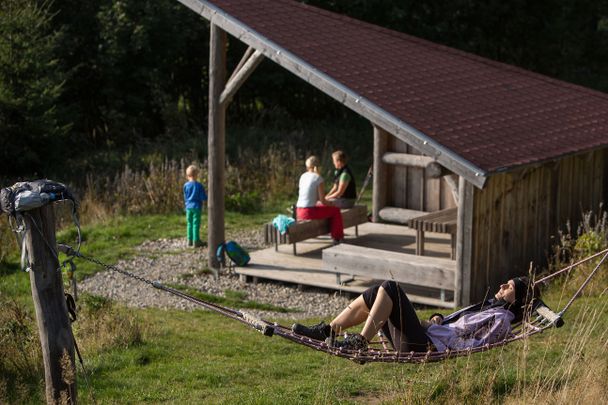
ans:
(194, 196)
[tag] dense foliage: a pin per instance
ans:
(101, 78)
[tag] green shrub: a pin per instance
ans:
(590, 238)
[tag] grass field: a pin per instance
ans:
(160, 356)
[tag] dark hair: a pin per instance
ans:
(525, 294)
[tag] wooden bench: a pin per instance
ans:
(443, 221)
(307, 229)
(345, 259)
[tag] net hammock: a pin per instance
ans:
(537, 319)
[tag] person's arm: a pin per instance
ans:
(339, 191)
(333, 189)
(321, 192)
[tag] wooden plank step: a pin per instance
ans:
(399, 215)
(384, 265)
(322, 279)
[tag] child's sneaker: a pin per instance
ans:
(190, 243)
(199, 243)
(352, 342)
(320, 331)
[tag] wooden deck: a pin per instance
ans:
(307, 268)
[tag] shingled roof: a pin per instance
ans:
(474, 115)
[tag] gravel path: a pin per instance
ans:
(170, 261)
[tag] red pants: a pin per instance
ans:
(324, 211)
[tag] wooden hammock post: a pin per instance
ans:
(54, 326)
(216, 142)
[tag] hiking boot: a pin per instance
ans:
(320, 331)
(352, 342)
(199, 243)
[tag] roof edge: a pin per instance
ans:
(339, 92)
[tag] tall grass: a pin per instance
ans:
(8, 243)
(590, 237)
(20, 353)
(101, 326)
(253, 181)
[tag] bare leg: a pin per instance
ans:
(378, 315)
(355, 313)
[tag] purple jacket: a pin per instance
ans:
(472, 330)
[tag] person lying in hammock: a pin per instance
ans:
(387, 307)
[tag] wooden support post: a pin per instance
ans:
(216, 142)
(452, 181)
(239, 76)
(379, 174)
(54, 326)
(244, 59)
(464, 243)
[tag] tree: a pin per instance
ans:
(30, 84)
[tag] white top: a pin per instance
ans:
(309, 190)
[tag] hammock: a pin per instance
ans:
(540, 317)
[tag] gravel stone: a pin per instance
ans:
(170, 261)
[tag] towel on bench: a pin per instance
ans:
(282, 222)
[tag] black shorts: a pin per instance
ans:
(403, 328)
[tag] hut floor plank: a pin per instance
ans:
(307, 267)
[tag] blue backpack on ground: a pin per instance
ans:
(235, 252)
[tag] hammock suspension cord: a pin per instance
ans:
(531, 325)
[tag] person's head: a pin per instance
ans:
(517, 293)
(312, 164)
(339, 159)
(192, 172)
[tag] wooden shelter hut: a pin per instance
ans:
(514, 154)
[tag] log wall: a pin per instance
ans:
(517, 216)
(408, 188)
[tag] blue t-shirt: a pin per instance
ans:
(194, 194)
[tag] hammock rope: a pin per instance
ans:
(539, 318)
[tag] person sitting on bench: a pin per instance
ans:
(312, 203)
(343, 193)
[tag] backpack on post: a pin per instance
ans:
(28, 195)
(238, 256)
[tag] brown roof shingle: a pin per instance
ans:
(493, 115)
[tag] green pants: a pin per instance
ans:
(193, 216)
